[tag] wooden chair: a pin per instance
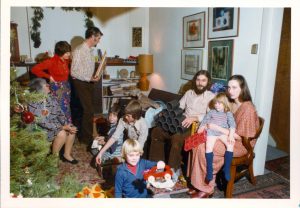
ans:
(244, 161)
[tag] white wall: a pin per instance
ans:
(256, 26)
(166, 38)
(62, 25)
(162, 36)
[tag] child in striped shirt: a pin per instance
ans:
(221, 116)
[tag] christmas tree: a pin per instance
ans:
(32, 166)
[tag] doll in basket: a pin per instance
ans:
(221, 116)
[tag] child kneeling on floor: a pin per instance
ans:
(129, 181)
(114, 151)
(133, 122)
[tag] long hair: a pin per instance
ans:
(245, 92)
(201, 72)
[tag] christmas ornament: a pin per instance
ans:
(27, 117)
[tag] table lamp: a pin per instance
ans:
(145, 67)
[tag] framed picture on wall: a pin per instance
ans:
(137, 37)
(191, 62)
(223, 22)
(220, 58)
(194, 31)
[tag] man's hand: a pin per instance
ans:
(188, 121)
(95, 78)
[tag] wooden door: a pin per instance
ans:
(280, 118)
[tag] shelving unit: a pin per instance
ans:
(99, 97)
(103, 100)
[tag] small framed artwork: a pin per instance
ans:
(136, 37)
(194, 31)
(220, 58)
(223, 22)
(191, 62)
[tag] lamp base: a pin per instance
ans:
(144, 83)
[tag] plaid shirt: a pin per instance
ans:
(83, 63)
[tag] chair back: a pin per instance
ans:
(261, 125)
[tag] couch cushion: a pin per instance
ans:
(164, 96)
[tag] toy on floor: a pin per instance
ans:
(95, 192)
(160, 176)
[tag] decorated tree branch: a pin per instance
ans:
(33, 168)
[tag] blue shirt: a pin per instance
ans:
(128, 185)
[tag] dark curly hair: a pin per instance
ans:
(62, 47)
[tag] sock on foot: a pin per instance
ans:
(227, 164)
(209, 165)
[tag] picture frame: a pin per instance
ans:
(137, 37)
(194, 31)
(223, 22)
(220, 60)
(191, 62)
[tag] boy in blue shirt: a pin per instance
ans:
(129, 181)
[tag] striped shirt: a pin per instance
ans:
(83, 63)
(222, 119)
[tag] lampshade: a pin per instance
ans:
(145, 63)
(145, 66)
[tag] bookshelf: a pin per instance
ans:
(115, 88)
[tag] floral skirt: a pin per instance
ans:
(62, 91)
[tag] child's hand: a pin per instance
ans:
(160, 164)
(201, 129)
(98, 158)
(230, 140)
(100, 139)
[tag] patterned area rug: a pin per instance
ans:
(269, 186)
(85, 173)
(280, 166)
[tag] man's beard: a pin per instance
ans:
(200, 91)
